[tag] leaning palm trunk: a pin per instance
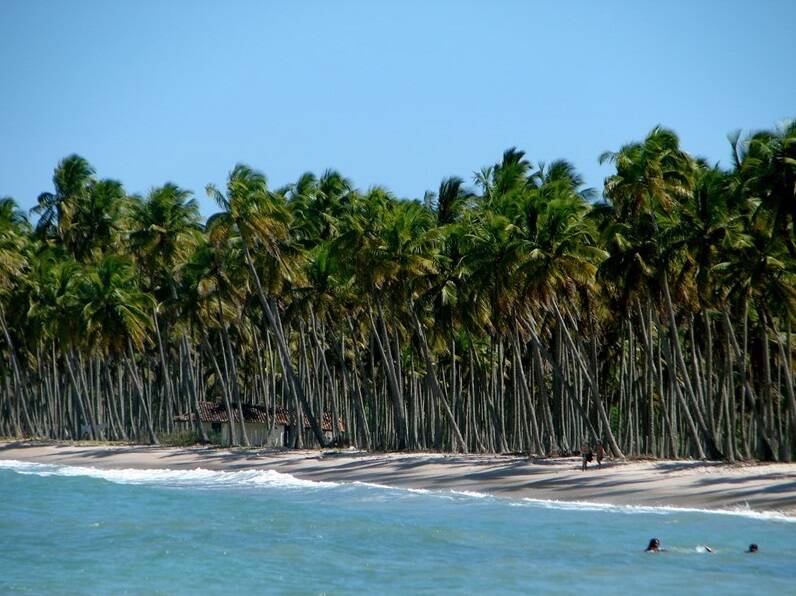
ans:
(747, 390)
(281, 344)
(188, 377)
(536, 441)
(233, 438)
(20, 386)
(83, 410)
(357, 386)
(594, 389)
(139, 389)
(787, 373)
(713, 448)
(541, 352)
(686, 411)
(432, 377)
(165, 377)
(394, 390)
(190, 382)
(232, 375)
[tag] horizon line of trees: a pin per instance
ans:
(522, 314)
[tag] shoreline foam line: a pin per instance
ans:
(204, 478)
(196, 477)
(776, 516)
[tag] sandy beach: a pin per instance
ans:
(705, 485)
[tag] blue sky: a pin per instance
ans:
(400, 94)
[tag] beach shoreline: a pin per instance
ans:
(758, 487)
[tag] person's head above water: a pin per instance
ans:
(654, 545)
(752, 548)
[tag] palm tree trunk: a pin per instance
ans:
(787, 373)
(190, 383)
(165, 377)
(536, 440)
(432, 377)
(281, 344)
(713, 449)
(21, 393)
(392, 381)
(232, 376)
(595, 390)
(153, 439)
(233, 435)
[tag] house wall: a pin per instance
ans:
(258, 433)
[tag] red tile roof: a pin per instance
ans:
(216, 411)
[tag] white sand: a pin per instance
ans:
(706, 485)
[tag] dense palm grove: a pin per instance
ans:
(525, 315)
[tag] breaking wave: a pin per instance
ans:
(197, 477)
(203, 478)
(655, 510)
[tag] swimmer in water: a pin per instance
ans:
(752, 548)
(707, 548)
(654, 546)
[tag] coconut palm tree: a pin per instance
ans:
(14, 229)
(116, 317)
(769, 173)
(653, 179)
(95, 220)
(72, 178)
(520, 316)
(261, 219)
(163, 231)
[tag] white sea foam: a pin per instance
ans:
(417, 491)
(195, 477)
(424, 491)
(655, 510)
(471, 494)
(200, 477)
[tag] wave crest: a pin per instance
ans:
(204, 478)
(655, 510)
(196, 477)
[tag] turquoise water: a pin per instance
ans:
(82, 530)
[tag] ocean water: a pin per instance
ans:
(71, 530)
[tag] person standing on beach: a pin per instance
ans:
(586, 455)
(599, 452)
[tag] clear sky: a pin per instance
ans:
(400, 94)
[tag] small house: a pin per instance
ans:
(265, 426)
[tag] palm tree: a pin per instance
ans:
(522, 316)
(261, 219)
(116, 318)
(759, 272)
(652, 179)
(214, 288)
(651, 176)
(387, 243)
(315, 204)
(14, 228)
(708, 225)
(13, 261)
(95, 220)
(163, 231)
(71, 179)
(769, 173)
